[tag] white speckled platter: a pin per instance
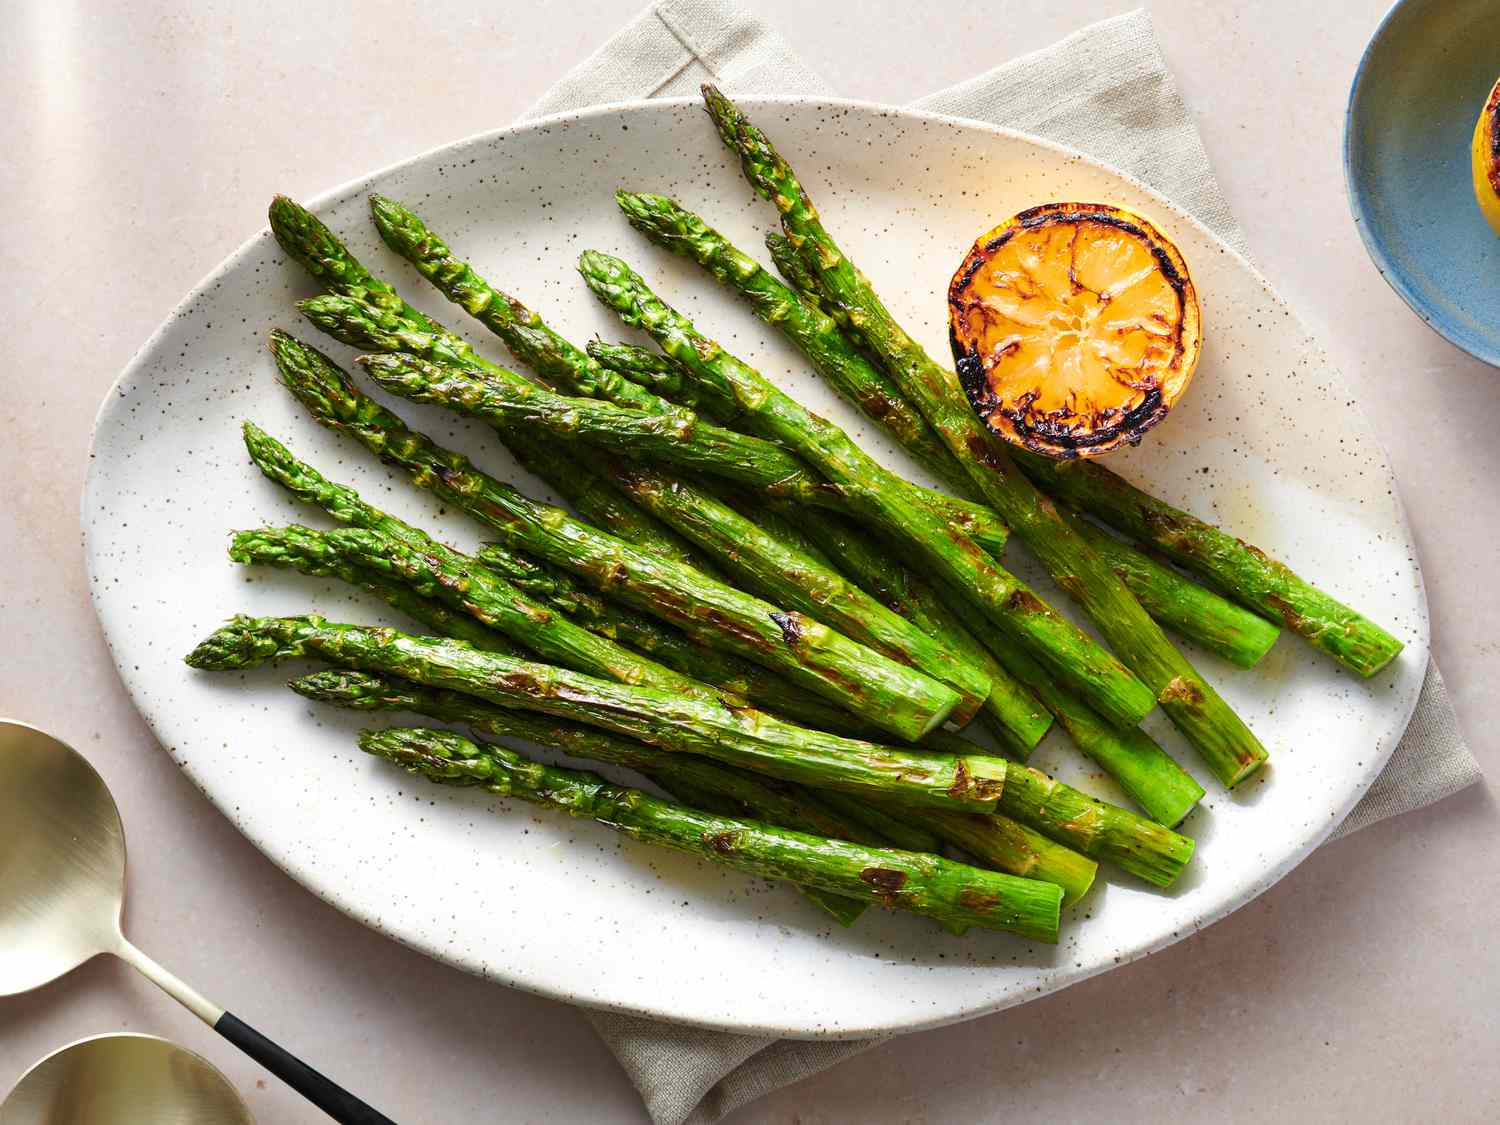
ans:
(1266, 442)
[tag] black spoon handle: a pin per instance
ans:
(324, 1093)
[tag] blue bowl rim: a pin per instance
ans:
(1388, 270)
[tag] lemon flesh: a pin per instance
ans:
(1485, 154)
(1075, 328)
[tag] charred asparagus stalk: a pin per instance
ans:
(705, 784)
(734, 735)
(1095, 828)
(666, 645)
(952, 893)
(1243, 572)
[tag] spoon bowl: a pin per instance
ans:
(62, 860)
(123, 1079)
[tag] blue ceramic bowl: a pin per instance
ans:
(1416, 96)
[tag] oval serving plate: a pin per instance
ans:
(1266, 442)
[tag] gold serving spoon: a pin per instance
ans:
(62, 891)
(123, 1079)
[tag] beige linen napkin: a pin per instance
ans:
(1104, 90)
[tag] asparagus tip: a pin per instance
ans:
(437, 754)
(359, 691)
(239, 643)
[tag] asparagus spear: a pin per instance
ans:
(308, 241)
(547, 353)
(662, 376)
(1142, 768)
(765, 564)
(440, 573)
(1004, 600)
(436, 616)
(675, 436)
(950, 892)
(1190, 610)
(1001, 844)
(898, 827)
(1007, 845)
(1019, 721)
(529, 339)
(1095, 828)
(895, 698)
(1239, 570)
(705, 784)
(813, 331)
(775, 801)
(1220, 736)
(671, 720)
(666, 645)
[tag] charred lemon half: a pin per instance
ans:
(1075, 328)
(1486, 159)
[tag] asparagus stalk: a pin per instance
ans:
(705, 784)
(308, 241)
(662, 376)
(402, 598)
(1226, 744)
(952, 893)
(775, 801)
(1239, 570)
(440, 573)
(675, 436)
(765, 564)
(1017, 718)
(734, 735)
(1161, 788)
(1007, 845)
(1005, 601)
(898, 826)
(895, 698)
(1142, 768)
(547, 353)
(999, 843)
(666, 645)
(527, 336)
(854, 377)
(1188, 609)
(1095, 828)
